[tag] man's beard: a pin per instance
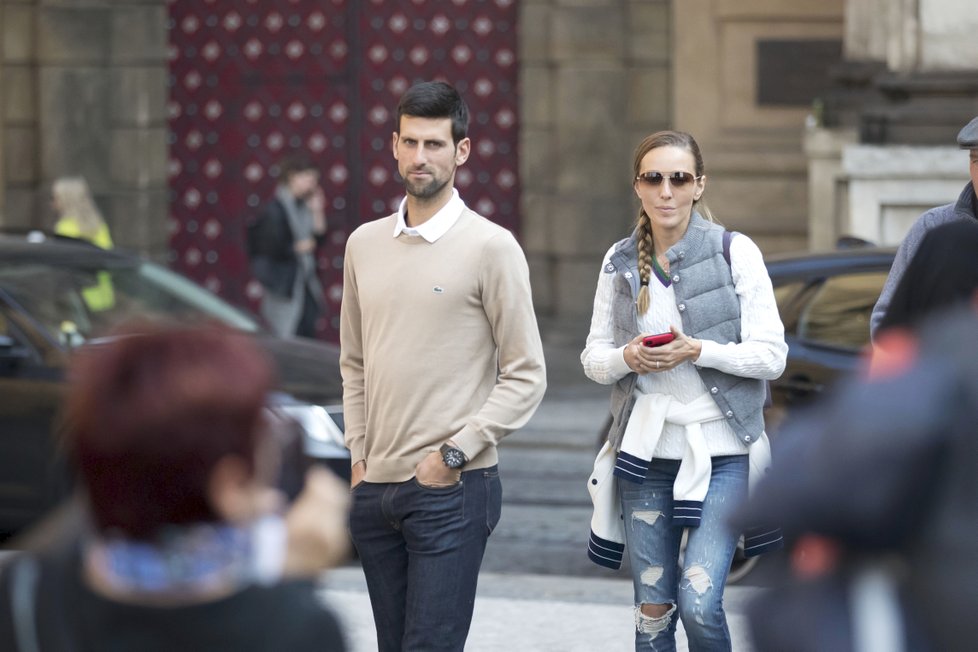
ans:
(426, 190)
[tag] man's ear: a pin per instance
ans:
(394, 136)
(462, 151)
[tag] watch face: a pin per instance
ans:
(453, 457)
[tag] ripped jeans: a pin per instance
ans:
(695, 590)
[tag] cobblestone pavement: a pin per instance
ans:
(532, 613)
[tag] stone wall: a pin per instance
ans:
(19, 127)
(595, 79)
(84, 93)
(887, 151)
(727, 53)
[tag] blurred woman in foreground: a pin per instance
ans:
(187, 548)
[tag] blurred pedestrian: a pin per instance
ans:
(78, 217)
(441, 358)
(842, 570)
(965, 208)
(282, 244)
(877, 495)
(186, 547)
(941, 275)
(687, 413)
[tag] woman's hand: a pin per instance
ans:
(317, 525)
(644, 359)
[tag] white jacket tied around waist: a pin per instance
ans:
(650, 413)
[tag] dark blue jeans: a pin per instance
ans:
(421, 549)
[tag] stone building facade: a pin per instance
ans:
(595, 78)
(83, 89)
(885, 149)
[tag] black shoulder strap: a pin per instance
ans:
(727, 237)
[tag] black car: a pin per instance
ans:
(47, 310)
(825, 301)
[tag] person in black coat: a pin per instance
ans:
(282, 243)
(875, 488)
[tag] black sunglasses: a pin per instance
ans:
(676, 179)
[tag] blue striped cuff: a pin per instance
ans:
(605, 553)
(631, 468)
(687, 512)
(758, 540)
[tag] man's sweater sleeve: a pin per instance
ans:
(521, 380)
(351, 359)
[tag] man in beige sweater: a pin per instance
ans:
(441, 359)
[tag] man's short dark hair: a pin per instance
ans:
(294, 163)
(435, 99)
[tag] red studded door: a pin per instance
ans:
(251, 80)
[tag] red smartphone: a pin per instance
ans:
(658, 340)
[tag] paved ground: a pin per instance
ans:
(532, 613)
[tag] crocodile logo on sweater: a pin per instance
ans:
(438, 289)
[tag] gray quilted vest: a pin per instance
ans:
(710, 309)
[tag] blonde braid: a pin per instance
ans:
(645, 254)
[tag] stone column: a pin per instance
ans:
(827, 208)
(908, 85)
(18, 115)
(101, 75)
(595, 78)
(2, 113)
(865, 34)
(948, 35)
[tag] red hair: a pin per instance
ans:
(152, 410)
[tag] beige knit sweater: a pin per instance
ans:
(439, 341)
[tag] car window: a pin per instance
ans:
(73, 304)
(786, 296)
(838, 312)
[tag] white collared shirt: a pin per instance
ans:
(437, 226)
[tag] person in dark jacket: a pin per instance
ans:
(965, 208)
(282, 243)
(876, 490)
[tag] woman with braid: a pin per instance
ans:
(688, 428)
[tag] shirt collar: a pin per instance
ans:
(438, 225)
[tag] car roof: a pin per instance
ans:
(820, 263)
(37, 247)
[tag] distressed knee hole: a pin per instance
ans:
(653, 618)
(651, 575)
(698, 579)
(648, 516)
